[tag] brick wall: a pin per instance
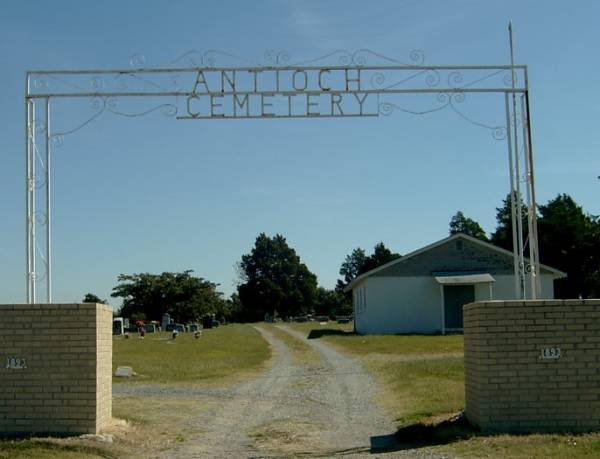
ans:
(55, 368)
(533, 365)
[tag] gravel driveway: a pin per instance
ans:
(321, 409)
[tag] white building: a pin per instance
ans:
(424, 291)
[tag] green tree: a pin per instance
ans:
(185, 297)
(352, 266)
(465, 225)
(380, 256)
(91, 298)
(274, 280)
(358, 263)
(331, 303)
(230, 310)
(502, 236)
(592, 265)
(569, 240)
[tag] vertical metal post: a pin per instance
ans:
(48, 216)
(27, 201)
(32, 190)
(512, 199)
(533, 235)
(530, 210)
(517, 172)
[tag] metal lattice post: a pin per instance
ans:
(37, 164)
(532, 205)
(48, 207)
(31, 202)
(517, 178)
(28, 210)
(511, 169)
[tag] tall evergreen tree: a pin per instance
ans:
(465, 225)
(380, 256)
(353, 265)
(569, 240)
(185, 297)
(358, 263)
(274, 279)
(502, 236)
(91, 298)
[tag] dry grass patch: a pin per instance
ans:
(526, 446)
(288, 437)
(156, 424)
(54, 448)
(420, 390)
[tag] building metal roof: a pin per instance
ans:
(557, 274)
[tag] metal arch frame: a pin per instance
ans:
(40, 138)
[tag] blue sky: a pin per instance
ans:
(155, 194)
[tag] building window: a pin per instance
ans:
(360, 300)
(364, 299)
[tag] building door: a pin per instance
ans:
(455, 297)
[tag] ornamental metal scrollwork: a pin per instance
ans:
(272, 57)
(109, 104)
(97, 83)
(380, 73)
(208, 58)
(57, 140)
(137, 60)
(445, 100)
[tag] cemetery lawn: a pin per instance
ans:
(228, 352)
(421, 381)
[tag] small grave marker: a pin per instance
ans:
(124, 372)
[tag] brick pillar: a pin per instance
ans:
(55, 368)
(533, 366)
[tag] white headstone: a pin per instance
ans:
(124, 372)
(166, 320)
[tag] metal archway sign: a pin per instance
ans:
(340, 84)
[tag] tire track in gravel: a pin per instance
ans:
(355, 422)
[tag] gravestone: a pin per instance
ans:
(166, 320)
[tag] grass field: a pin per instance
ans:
(341, 335)
(422, 386)
(226, 352)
